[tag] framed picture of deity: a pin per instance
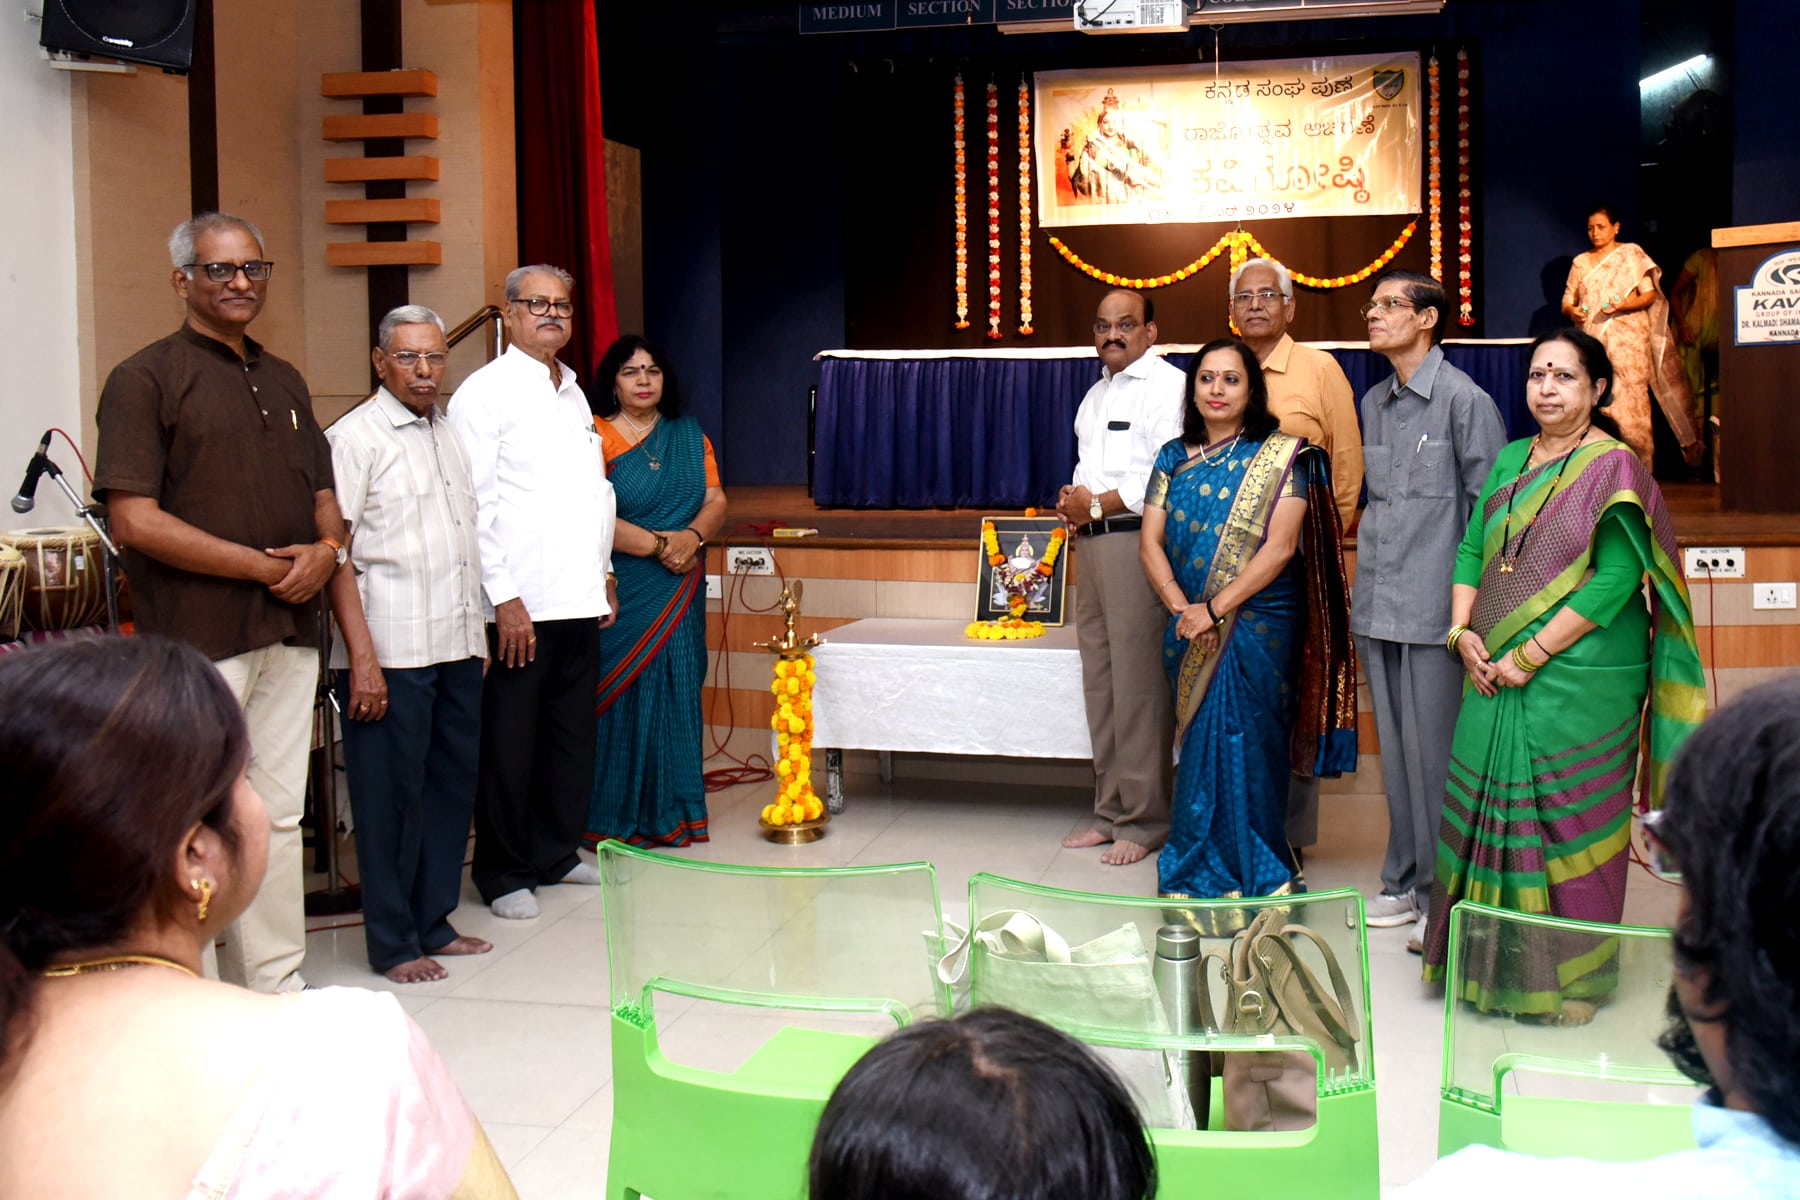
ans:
(1024, 569)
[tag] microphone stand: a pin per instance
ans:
(335, 897)
(91, 514)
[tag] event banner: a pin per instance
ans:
(1317, 137)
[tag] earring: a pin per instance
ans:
(204, 887)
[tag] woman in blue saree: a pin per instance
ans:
(648, 788)
(1240, 539)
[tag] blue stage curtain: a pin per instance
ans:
(999, 432)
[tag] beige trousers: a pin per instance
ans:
(263, 949)
(1130, 710)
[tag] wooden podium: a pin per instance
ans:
(1759, 359)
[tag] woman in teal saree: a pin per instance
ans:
(648, 786)
(1562, 653)
(1240, 540)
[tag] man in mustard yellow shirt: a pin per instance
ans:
(1310, 396)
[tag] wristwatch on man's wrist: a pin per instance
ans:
(337, 550)
(1094, 509)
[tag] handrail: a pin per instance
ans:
(470, 324)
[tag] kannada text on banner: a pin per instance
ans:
(1290, 138)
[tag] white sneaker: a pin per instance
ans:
(1416, 943)
(1388, 910)
(516, 906)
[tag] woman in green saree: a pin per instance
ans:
(1562, 652)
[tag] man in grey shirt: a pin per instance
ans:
(1430, 436)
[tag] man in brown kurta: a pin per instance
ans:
(218, 481)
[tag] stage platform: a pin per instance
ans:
(1694, 506)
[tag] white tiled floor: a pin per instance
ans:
(525, 1029)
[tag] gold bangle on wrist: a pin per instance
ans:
(1522, 662)
(1455, 639)
(662, 543)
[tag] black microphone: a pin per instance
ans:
(26, 500)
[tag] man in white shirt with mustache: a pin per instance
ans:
(1123, 421)
(546, 516)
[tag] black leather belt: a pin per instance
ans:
(1109, 525)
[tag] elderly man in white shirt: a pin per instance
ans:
(408, 603)
(546, 516)
(1123, 421)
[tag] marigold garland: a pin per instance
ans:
(1337, 281)
(1025, 329)
(1006, 629)
(1152, 281)
(962, 216)
(1435, 173)
(993, 177)
(793, 725)
(1465, 223)
(1242, 245)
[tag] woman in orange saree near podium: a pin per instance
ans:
(648, 786)
(1615, 294)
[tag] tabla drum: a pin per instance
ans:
(12, 592)
(65, 576)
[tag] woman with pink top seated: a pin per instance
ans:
(127, 836)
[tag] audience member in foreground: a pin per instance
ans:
(128, 836)
(993, 1105)
(1730, 826)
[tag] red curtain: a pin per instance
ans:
(562, 162)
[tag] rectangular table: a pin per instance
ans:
(888, 684)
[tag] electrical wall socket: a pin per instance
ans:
(750, 560)
(1713, 562)
(715, 588)
(1771, 595)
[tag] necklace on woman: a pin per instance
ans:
(643, 432)
(1227, 450)
(115, 962)
(1509, 560)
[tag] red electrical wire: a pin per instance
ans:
(78, 456)
(754, 768)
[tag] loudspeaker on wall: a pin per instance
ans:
(158, 33)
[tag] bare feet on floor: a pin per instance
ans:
(419, 970)
(465, 944)
(1087, 837)
(1123, 853)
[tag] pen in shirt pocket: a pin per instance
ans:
(294, 416)
(1421, 444)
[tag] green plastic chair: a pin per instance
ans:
(825, 959)
(1338, 1157)
(1600, 1090)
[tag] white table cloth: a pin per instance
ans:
(919, 685)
